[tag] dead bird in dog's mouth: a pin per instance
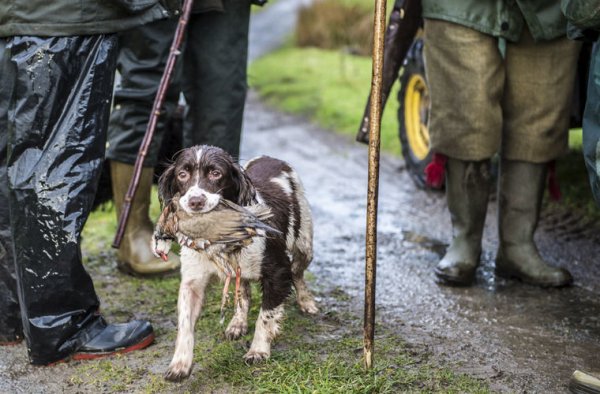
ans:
(228, 225)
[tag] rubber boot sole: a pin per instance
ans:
(509, 274)
(127, 269)
(144, 343)
(443, 278)
(11, 343)
(80, 356)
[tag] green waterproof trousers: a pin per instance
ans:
(211, 74)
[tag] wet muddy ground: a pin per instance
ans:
(514, 337)
(517, 337)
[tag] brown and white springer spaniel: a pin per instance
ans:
(202, 175)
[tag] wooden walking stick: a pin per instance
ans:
(373, 183)
(174, 52)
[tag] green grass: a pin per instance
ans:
(313, 354)
(328, 87)
(576, 139)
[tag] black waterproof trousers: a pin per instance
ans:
(212, 76)
(54, 108)
(10, 317)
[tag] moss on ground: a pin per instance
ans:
(319, 354)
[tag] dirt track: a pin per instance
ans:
(518, 337)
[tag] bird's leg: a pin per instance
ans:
(225, 296)
(238, 279)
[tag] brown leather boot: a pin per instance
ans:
(135, 255)
(519, 201)
(467, 193)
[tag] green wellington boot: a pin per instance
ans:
(584, 383)
(467, 193)
(134, 255)
(519, 203)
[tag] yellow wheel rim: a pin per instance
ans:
(416, 113)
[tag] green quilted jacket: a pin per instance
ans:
(78, 17)
(502, 18)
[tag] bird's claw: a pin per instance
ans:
(161, 247)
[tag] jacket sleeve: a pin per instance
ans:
(584, 14)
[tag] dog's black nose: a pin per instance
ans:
(197, 203)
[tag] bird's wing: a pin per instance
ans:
(227, 223)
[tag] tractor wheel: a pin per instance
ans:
(413, 114)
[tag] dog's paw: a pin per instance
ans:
(254, 356)
(308, 306)
(236, 329)
(178, 370)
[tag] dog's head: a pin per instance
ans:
(201, 175)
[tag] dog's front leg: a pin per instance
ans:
(189, 305)
(195, 275)
(238, 325)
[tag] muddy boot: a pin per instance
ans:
(584, 383)
(467, 193)
(519, 203)
(108, 339)
(135, 255)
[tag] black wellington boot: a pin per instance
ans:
(520, 199)
(111, 339)
(467, 193)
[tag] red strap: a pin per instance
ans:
(435, 172)
(553, 184)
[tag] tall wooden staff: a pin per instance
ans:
(174, 52)
(373, 184)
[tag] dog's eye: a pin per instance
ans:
(215, 174)
(183, 175)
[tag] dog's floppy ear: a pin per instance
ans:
(167, 186)
(246, 193)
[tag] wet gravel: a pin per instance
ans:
(515, 336)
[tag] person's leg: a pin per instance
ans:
(10, 318)
(56, 139)
(142, 58)
(143, 53)
(591, 125)
(465, 78)
(536, 104)
(216, 57)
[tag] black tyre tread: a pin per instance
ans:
(414, 64)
